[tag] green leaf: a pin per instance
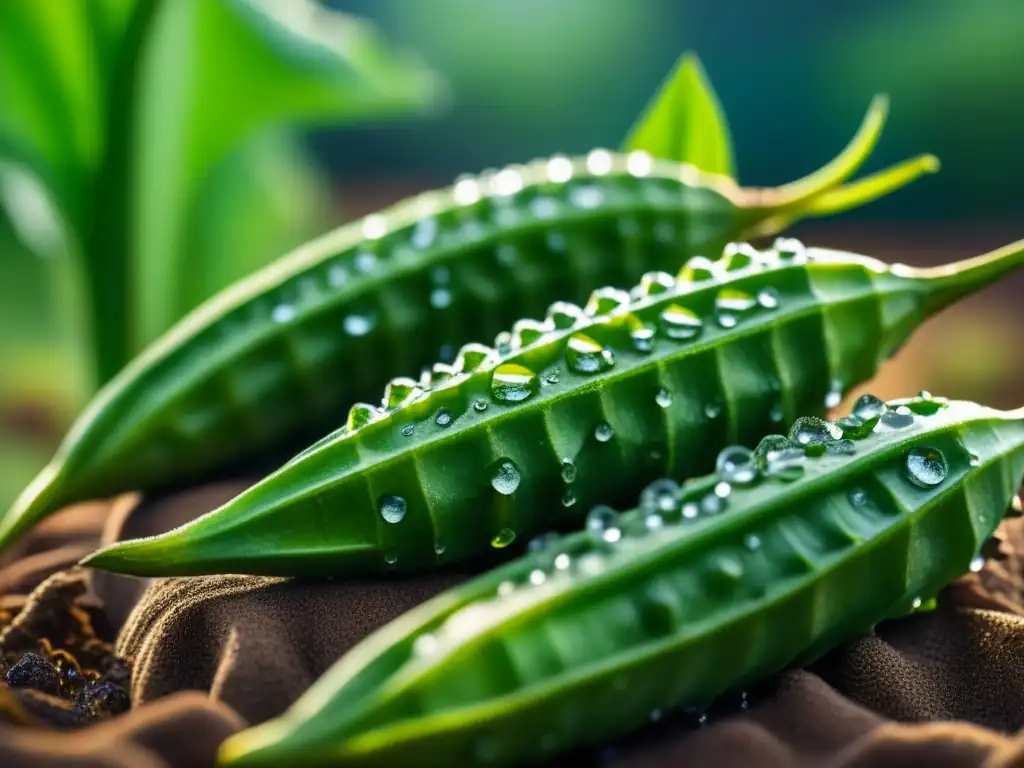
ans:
(684, 122)
(262, 200)
(213, 73)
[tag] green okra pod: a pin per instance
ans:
(781, 554)
(583, 407)
(276, 360)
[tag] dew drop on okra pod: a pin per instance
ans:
(584, 355)
(813, 434)
(869, 409)
(513, 383)
(443, 418)
(505, 476)
(768, 298)
(503, 538)
(733, 301)
(679, 323)
(643, 339)
(854, 428)
(603, 432)
(392, 508)
(604, 301)
(736, 465)
(660, 496)
(713, 409)
(925, 467)
(901, 418)
(786, 464)
(697, 270)
(602, 523)
(568, 470)
(663, 398)
(858, 497)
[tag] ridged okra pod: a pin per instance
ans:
(770, 562)
(585, 406)
(275, 361)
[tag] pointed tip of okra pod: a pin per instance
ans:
(946, 284)
(155, 556)
(266, 744)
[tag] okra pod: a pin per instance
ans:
(583, 407)
(784, 552)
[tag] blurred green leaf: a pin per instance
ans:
(262, 200)
(213, 73)
(684, 121)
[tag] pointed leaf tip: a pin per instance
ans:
(684, 121)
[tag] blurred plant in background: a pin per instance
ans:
(149, 156)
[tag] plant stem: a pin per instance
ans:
(107, 222)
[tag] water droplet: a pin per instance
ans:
(551, 377)
(507, 182)
(653, 522)
(663, 398)
(737, 256)
(399, 391)
(786, 464)
(734, 301)
(439, 547)
(869, 409)
(858, 497)
(365, 261)
(562, 561)
(466, 191)
(854, 427)
(526, 332)
(337, 275)
(603, 432)
(512, 383)
(605, 301)
(392, 508)
(723, 490)
(813, 434)
(544, 207)
(537, 577)
(643, 339)
(977, 563)
(480, 405)
(357, 325)
(680, 323)
(584, 355)
(440, 298)
(599, 162)
(542, 542)
(639, 163)
(359, 415)
(505, 476)
(559, 169)
(586, 197)
(777, 413)
(424, 645)
(602, 523)
(690, 510)
(391, 557)
(790, 250)
(713, 409)
(901, 418)
(443, 418)
(506, 588)
(768, 298)
(834, 396)
(697, 270)
(974, 459)
(407, 430)
(711, 504)
(926, 467)
(842, 447)
(563, 315)
(655, 284)
(661, 496)
(726, 321)
(568, 498)
(283, 313)
(568, 470)
(752, 542)
(503, 538)
(375, 227)
(916, 604)
(736, 465)
(424, 233)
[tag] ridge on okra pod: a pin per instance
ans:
(584, 406)
(706, 587)
(258, 370)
